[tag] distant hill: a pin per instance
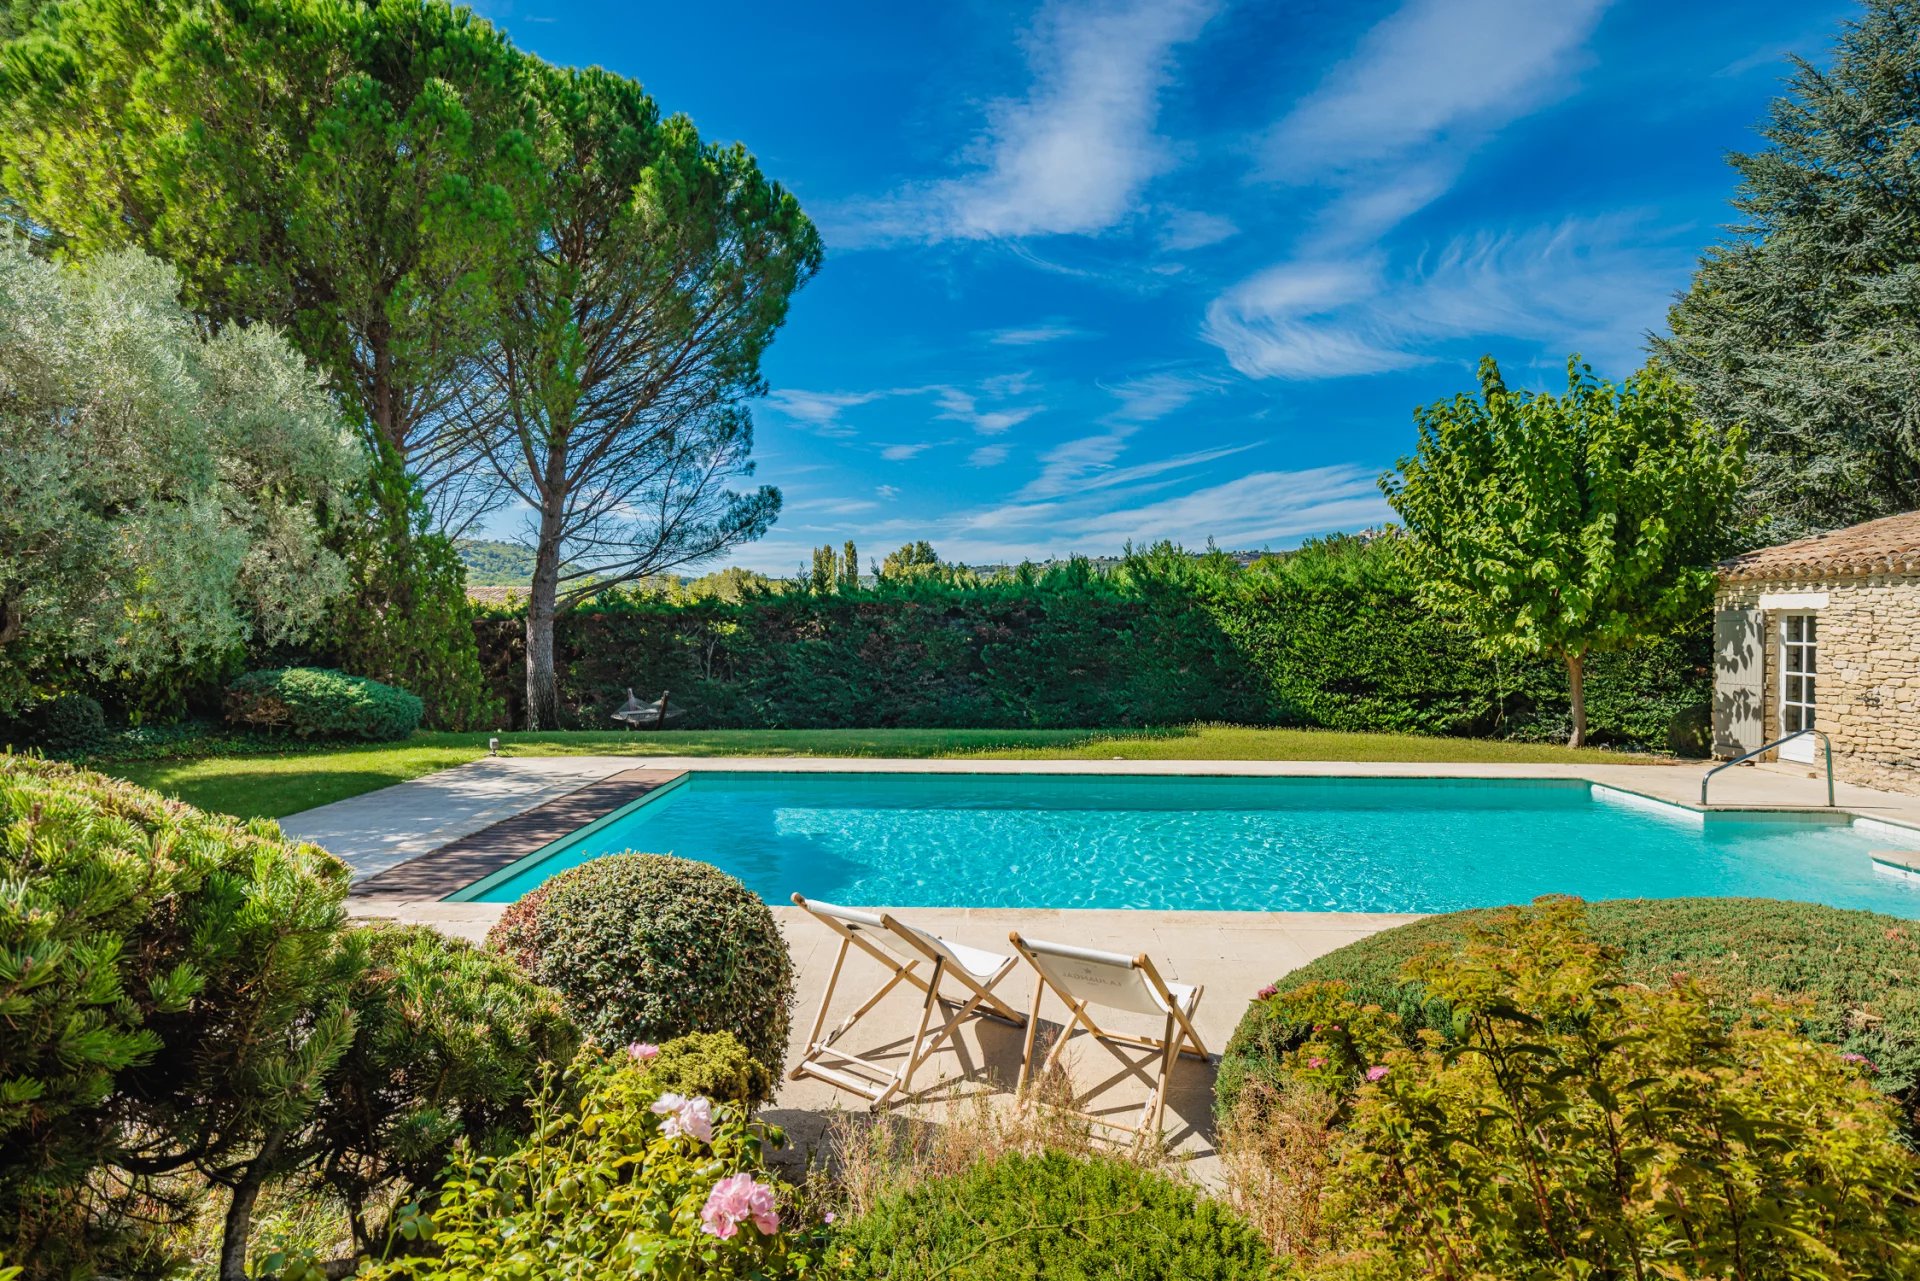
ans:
(492, 563)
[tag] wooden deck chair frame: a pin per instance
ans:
(822, 1060)
(1178, 1037)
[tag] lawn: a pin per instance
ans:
(275, 785)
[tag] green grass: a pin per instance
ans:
(277, 784)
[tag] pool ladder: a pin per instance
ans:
(1825, 742)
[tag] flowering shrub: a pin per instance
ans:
(1859, 973)
(1576, 1125)
(1051, 1215)
(315, 702)
(646, 947)
(630, 1182)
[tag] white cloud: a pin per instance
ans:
(1249, 511)
(887, 493)
(1592, 285)
(1151, 397)
(987, 456)
(1033, 335)
(1184, 229)
(1431, 71)
(821, 410)
(901, 453)
(1075, 154)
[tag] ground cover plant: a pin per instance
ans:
(1566, 1121)
(1858, 972)
(648, 947)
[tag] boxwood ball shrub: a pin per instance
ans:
(647, 947)
(68, 725)
(1051, 1215)
(319, 702)
(1858, 971)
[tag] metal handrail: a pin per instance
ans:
(1768, 747)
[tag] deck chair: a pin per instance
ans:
(912, 956)
(1083, 979)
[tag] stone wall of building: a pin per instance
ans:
(1868, 691)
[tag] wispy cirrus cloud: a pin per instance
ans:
(1594, 285)
(1075, 153)
(821, 410)
(1392, 124)
(1034, 335)
(1078, 463)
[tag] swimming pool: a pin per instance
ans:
(1280, 844)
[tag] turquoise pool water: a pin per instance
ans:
(1294, 844)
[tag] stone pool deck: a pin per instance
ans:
(412, 844)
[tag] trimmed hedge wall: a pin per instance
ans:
(1331, 636)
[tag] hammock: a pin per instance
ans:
(638, 715)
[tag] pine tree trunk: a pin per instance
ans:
(543, 684)
(1577, 694)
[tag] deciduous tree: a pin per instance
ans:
(1803, 325)
(612, 403)
(1567, 524)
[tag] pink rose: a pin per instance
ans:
(1266, 991)
(692, 1117)
(1316, 1063)
(641, 1052)
(1376, 1072)
(733, 1201)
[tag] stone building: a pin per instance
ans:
(1824, 634)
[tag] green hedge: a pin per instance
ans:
(1330, 636)
(318, 702)
(1052, 1216)
(1859, 971)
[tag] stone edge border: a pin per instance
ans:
(458, 864)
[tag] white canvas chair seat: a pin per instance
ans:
(1085, 979)
(910, 955)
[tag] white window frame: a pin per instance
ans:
(1807, 705)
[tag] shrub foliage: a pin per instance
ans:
(713, 1064)
(648, 947)
(1052, 1215)
(450, 1041)
(318, 702)
(1858, 972)
(169, 980)
(609, 1189)
(1576, 1124)
(1330, 636)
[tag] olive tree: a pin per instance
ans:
(612, 403)
(1562, 525)
(160, 487)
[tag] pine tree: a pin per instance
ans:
(1804, 324)
(849, 567)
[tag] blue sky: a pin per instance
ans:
(1182, 269)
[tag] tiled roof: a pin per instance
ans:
(1890, 545)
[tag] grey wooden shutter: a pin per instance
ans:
(1738, 672)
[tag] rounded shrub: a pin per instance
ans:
(1052, 1216)
(711, 1063)
(319, 702)
(647, 947)
(69, 725)
(1858, 972)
